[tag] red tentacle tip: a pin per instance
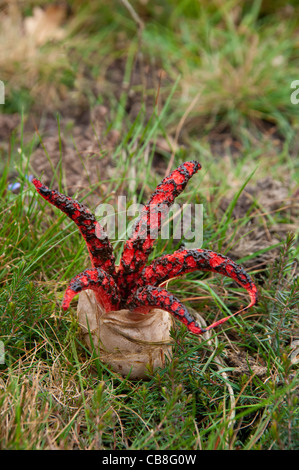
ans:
(37, 183)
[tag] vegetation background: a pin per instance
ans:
(102, 99)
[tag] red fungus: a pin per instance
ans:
(182, 262)
(100, 282)
(99, 247)
(139, 246)
(135, 285)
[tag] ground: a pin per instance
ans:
(100, 103)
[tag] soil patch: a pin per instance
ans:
(262, 201)
(82, 154)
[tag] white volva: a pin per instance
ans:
(128, 342)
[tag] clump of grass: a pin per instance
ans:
(27, 67)
(283, 286)
(236, 60)
(239, 63)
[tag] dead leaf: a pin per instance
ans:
(44, 25)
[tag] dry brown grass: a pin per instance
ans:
(38, 403)
(31, 55)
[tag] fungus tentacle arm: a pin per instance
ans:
(99, 247)
(139, 246)
(185, 261)
(151, 297)
(100, 282)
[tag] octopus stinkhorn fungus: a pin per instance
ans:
(115, 301)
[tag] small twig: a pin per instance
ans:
(159, 88)
(134, 15)
(140, 28)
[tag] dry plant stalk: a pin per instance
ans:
(122, 310)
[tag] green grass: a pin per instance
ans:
(54, 394)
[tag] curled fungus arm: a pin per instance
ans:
(98, 245)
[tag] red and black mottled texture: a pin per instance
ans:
(136, 286)
(100, 282)
(139, 246)
(185, 261)
(99, 247)
(150, 296)
(182, 262)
